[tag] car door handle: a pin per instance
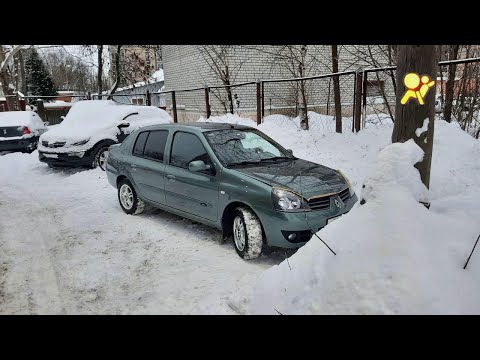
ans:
(171, 177)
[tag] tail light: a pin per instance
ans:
(26, 130)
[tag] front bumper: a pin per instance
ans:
(278, 225)
(19, 144)
(65, 159)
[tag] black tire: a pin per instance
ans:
(253, 235)
(98, 154)
(137, 206)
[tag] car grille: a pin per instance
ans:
(53, 145)
(319, 203)
(344, 194)
(324, 202)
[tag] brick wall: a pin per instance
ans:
(185, 67)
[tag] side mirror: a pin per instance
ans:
(290, 151)
(198, 165)
(123, 125)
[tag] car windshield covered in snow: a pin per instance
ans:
(245, 146)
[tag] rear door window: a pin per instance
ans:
(140, 143)
(155, 145)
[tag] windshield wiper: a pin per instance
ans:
(277, 158)
(246, 162)
(256, 162)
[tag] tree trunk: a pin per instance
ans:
(5, 79)
(449, 87)
(100, 71)
(336, 91)
(22, 72)
(226, 81)
(303, 106)
(420, 59)
(117, 72)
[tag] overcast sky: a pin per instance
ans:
(78, 51)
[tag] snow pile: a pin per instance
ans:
(229, 118)
(97, 120)
(22, 119)
(317, 122)
(393, 169)
(455, 163)
(58, 103)
(393, 255)
(157, 75)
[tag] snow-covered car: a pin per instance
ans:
(20, 130)
(90, 128)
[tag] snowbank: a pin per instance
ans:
(393, 255)
(97, 120)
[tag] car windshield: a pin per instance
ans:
(245, 146)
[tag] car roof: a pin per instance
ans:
(198, 126)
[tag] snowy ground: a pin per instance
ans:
(66, 246)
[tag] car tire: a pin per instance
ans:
(100, 157)
(128, 198)
(247, 233)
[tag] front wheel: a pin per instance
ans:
(247, 233)
(128, 198)
(100, 158)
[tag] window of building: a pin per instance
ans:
(137, 101)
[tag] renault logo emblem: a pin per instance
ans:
(337, 203)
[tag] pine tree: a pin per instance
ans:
(39, 81)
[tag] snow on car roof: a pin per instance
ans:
(17, 118)
(109, 112)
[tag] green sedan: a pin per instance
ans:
(231, 177)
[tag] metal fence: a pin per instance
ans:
(368, 97)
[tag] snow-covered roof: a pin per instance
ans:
(157, 76)
(58, 103)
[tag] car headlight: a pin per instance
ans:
(288, 201)
(82, 142)
(350, 186)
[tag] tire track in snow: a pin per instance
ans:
(31, 283)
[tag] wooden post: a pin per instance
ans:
(89, 95)
(148, 98)
(174, 107)
(263, 99)
(41, 110)
(259, 102)
(358, 100)
(364, 115)
(207, 101)
(412, 115)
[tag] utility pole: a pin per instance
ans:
(415, 106)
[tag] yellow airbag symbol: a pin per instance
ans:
(416, 87)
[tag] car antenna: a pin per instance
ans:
(306, 220)
(471, 252)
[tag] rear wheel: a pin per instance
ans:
(247, 233)
(128, 198)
